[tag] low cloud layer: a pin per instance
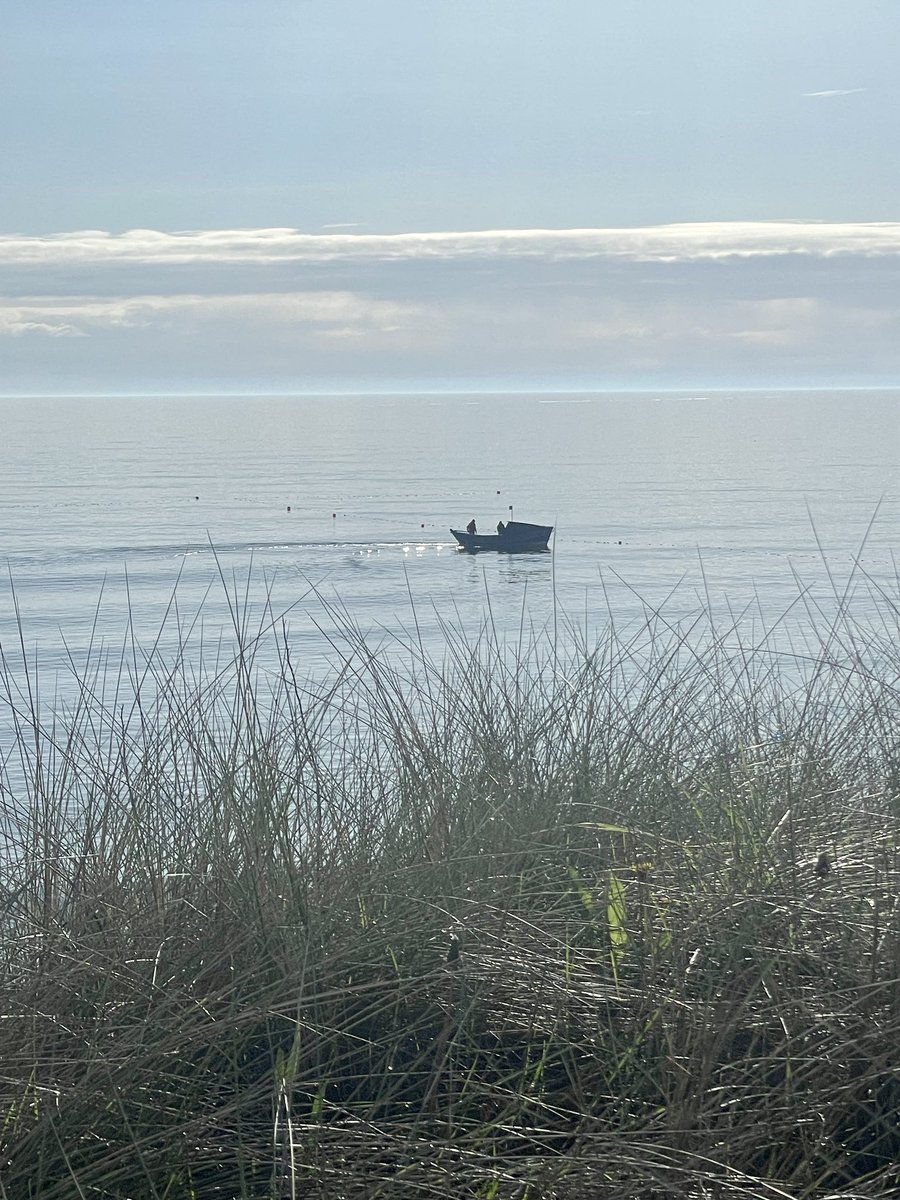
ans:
(81, 316)
(661, 243)
(730, 303)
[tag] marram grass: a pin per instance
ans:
(512, 925)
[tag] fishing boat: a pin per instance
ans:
(517, 537)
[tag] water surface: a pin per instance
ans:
(349, 499)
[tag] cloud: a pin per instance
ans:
(695, 242)
(827, 95)
(689, 303)
(334, 313)
(16, 323)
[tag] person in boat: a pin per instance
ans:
(501, 528)
(470, 528)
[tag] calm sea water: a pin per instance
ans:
(114, 505)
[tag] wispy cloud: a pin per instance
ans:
(18, 322)
(331, 313)
(831, 92)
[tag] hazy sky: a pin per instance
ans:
(257, 179)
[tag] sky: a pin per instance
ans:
(315, 195)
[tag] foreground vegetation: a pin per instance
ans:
(505, 926)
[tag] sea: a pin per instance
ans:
(165, 522)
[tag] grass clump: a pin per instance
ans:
(617, 923)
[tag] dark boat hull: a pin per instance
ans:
(517, 538)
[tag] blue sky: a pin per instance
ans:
(351, 119)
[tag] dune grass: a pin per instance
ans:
(621, 921)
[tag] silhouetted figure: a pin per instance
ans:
(470, 528)
(501, 528)
(823, 866)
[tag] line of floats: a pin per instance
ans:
(513, 537)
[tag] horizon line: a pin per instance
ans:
(718, 389)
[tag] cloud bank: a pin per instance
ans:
(697, 242)
(741, 303)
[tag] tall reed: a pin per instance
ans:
(612, 921)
